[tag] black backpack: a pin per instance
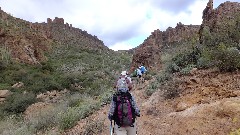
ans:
(124, 114)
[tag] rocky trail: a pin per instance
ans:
(209, 104)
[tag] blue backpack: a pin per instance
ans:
(143, 69)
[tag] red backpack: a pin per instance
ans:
(124, 114)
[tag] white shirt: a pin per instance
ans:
(139, 72)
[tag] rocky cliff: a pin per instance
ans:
(26, 41)
(148, 53)
(221, 24)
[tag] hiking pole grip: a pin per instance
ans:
(111, 128)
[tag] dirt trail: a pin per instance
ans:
(208, 105)
(101, 115)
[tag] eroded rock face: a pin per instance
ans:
(222, 23)
(26, 41)
(148, 53)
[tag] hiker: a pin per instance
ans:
(128, 77)
(123, 108)
(139, 73)
(124, 75)
(143, 69)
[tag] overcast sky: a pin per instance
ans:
(120, 24)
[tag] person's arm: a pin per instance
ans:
(134, 104)
(129, 84)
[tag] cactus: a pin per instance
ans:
(5, 54)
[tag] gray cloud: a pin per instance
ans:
(113, 22)
(174, 6)
(120, 34)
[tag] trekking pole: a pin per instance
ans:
(136, 125)
(111, 129)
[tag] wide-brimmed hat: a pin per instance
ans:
(124, 73)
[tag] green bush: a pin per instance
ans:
(187, 69)
(69, 118)
(182, 60)
(171, 90)
(3, 65)
(223, 57)
(163, 77)
(227, 59)
(18, 102)
(152, 88)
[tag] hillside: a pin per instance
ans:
(56, 79)
(206, 102)
(196, 88)
(52, 64)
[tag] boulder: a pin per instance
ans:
(4, 93)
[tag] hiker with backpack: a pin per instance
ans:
(123, 108)
(128, 76)
(143, 69)
(124, 75)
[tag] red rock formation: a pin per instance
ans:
(28, 44)
(148, 53)
(216, 20)
(58, 20)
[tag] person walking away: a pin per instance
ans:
(123, 108)
(123, 77)
(128, 77)
(139, 75)
(143, 69)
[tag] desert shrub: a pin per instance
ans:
(68, 118)
(236, 132)
(35, 78)
(182, 60)
(228, 33)
(3, 65)
(149, 75)
(186, 70)
(204, 62)
(227, 59)
(18, 102)
(93, 127)
(40, 82)
(163, 76)
(207, 37)
(152, 88)
(5, 54)
(170, 90)
(12, 126)
(45, 118)
(224, 57)
(106, 96)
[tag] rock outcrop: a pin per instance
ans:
(3, 95)
(27, 42)
(220, 24)
(148, 53)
